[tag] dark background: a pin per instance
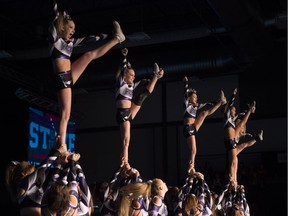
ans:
(217, 44)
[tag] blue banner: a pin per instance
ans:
(42, 134)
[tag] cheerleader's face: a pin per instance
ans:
(163, 187)
(193, 98)
(233, 111)
(68, 30)
(129, 76)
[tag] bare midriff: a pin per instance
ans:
(230, 133)
(61, 65)
(189, 120)
(123, 104)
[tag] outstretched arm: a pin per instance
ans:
(231, 101)
(72, 180)
(52, 34)
(85, 193)
(124, 63)
(186, 87)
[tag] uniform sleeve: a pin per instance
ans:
(88, 39)
(72, 181)
(85, 192)
(109, 189)
(201, 105)
(120, 73)
(153, 208)
(231, 101)
(184, 190)
(38, 177)
(186, 90)
(52, 33)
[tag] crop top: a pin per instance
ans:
(229, 121)
(124, 91)
(190, 110)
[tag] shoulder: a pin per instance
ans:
(157, 200)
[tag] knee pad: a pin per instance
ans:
(141, 97)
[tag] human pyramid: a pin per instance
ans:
(58, 185)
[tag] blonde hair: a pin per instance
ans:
(243, 129)
(156, 186)
(191, 204)
(62, 20)
(124, 70)
(131, 192)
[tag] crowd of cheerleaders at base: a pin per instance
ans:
(62, 189)
(58, 187)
